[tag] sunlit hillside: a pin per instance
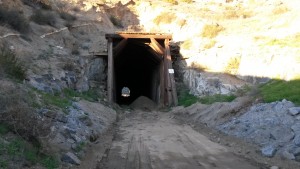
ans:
(243, 37)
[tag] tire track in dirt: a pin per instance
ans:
(153, 140)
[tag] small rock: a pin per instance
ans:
(70, 158)
(297, 140)
(268, 151)
(287, 155)
(274, 167)
(296, 152)
(294, 110)
(297, 158)
(76, 106)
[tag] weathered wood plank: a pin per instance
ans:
(171, 75)
(110, 71)
(156, 46)
(139, 35)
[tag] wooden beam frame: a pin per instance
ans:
(129, 35)
(156, 46)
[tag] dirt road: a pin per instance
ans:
(153, 140)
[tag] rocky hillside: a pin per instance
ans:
(53, 63)
(248, 38)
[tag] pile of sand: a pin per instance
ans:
(143, 103)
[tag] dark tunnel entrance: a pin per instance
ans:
(138, 69)
(141, 62)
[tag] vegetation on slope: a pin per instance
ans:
(10, 65)
(14, 19)
(186, 99)
(277, 90)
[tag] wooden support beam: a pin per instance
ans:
(156, 46)
(162, 84)
(171, 74)
(167, 84)
(138, 35)
(110, 72)
(120, 46)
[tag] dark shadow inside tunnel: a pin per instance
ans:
(138, 68)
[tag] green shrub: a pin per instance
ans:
(185, 98)
(10, 65)
(216, 98)
(14, 19)
(277, 90)
(3, 129)
(50, 162)
(18, 148)
(90, 95)
(55, 100)
(3, 164)
(44, 17)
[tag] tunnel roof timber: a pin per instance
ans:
(138, 35)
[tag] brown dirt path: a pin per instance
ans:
(153, 140)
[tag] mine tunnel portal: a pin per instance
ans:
(141, 62)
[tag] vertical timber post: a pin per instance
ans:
(171, 79)
(162, 84)
(110, 72)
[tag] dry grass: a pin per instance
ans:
(211, 31)
(171, 1)
(280, 10)
(165, 18)
(210, 44)
(187, 44)
(16, 112)
(289, 41)
(233, 65)
(199, 66)
(236, 12)
(186, 1)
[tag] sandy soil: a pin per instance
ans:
(156, 140)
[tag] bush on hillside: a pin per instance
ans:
(45, 4)
(16, 112)
(116, 21)
(66, 16)
(10, 65)
(211, 31)
(44, 18)
(14, 19)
